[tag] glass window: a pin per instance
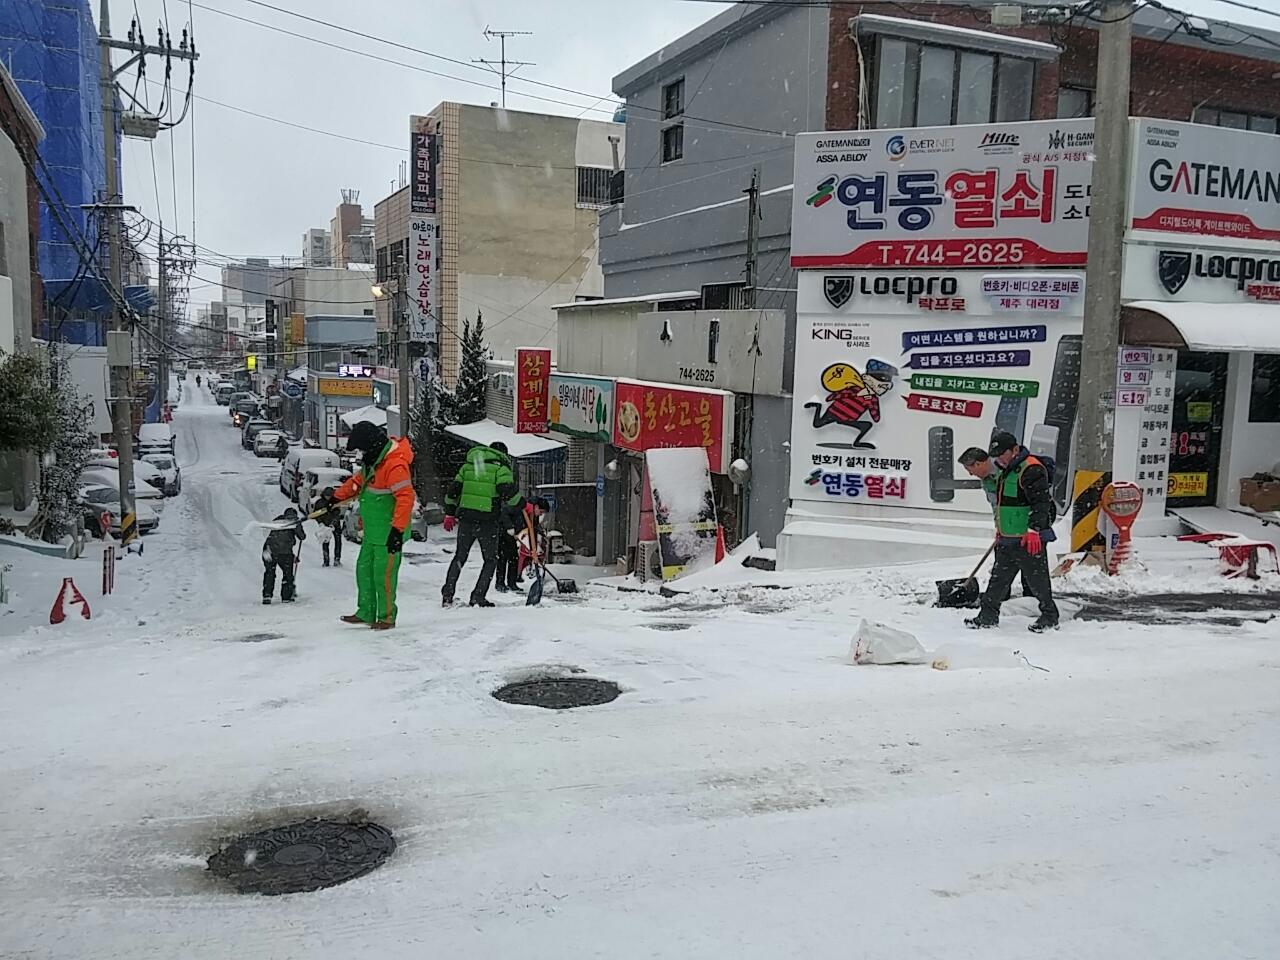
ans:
(937, 86)
(1075, 102)
(1264, 395)
(973, 93)
(1236, 121)
(673, 143)
(894, 104)
(1013, 99)
(1262, 124)
(673, 99)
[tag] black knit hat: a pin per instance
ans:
(367, 437)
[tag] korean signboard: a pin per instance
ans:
(1188, 178)
(650, 416)
(424, 281)
(344, 387)
(981, 196)
(533, 381)
(1236, 274)
(582, 406)
(423, 140)
(889, 392)
(1142, 433)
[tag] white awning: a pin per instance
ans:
(1233, 327)
(370, 414)
(518, 444)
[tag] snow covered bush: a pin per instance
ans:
(64, 454)
(28, 407)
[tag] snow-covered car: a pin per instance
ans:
(222, 393)
(96, 499)
(315, 479)
(141, 489)
(168, 473)
(265, 442)
(251, 429)
(298, 461)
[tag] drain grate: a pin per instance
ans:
(559, 693)
(302, 857)
(669, 625)
(257, 637)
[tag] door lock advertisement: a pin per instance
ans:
(890, 389)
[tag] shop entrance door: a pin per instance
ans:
(1199, 402)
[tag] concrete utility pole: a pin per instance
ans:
(119, 350)
(401, 305)
(162, 325)
(753, 236)
(1107, 213)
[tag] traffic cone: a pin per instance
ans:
(720, 550)
(58, 613)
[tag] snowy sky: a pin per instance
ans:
(260, 184)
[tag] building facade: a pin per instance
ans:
(723, 103)
(519, 194)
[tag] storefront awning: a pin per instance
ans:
(370, 414)
(1231, 327)
(518, 444)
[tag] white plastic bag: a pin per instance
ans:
(877, 643)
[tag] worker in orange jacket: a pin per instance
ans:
(386, 496)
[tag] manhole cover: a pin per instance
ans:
(302, 857)
(258, 637)
(559, 693)
(669, 625)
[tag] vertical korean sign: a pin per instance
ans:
(424, 285)
(423, 137)
(533, 386)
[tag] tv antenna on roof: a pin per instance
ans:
(500, 68)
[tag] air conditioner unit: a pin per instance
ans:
(648, 561)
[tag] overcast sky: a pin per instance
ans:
(259, 184)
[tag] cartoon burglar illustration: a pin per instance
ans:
(852, 397)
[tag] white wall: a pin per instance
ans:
(1247, 448)
(593, 149)
(89, 370)
(517, 311)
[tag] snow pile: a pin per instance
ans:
(680, 480)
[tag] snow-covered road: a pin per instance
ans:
(750, 795)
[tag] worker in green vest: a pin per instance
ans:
(1024, 521)
(979, 465)
(473, 503)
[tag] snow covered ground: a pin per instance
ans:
(750, 795)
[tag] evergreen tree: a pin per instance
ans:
(28, 407)
(65, 454)
(472, 374)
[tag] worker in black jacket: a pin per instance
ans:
(279, 551)
(1024, 524)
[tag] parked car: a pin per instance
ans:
(168, 473)
(266, 443)
(222, 393)
(243, 411)
(95, 499)
(299, 460)
(315, 479)
(154, 438)
(251, 429)
(140, 489)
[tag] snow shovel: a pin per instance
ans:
(963, 592)
(535, 589)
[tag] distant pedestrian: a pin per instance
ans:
(329, 526)
(1024, 523)
(483, 485)
(279, 551)
(282, 447)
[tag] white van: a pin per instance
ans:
(315, 479)
(154, 438)
(299, 460)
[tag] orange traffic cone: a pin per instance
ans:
(720, 550)
(59, 613)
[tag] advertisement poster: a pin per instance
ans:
(1190, 178)
(651, 416)
(896, 374)
(981, 196)
(533, 380)
(582, 407)
(423, 154)
(684, 509)
(424, 280)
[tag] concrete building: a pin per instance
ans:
(723, 102)
(519, 197)
(316, 251)
(350, 232)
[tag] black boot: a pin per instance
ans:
(266, 601)
(1043, 624)
(482, 602)
(981, 623)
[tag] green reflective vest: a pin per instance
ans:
(1013, 511)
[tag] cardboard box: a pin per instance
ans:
(1260, 496)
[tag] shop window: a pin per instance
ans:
(1235, 119)
(1264, 393)
(924, 84)
(1075, 102)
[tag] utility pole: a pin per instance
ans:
(1107, 208)
(750, 271)
(401, 306)
(515, 65)
(119, 349)
(162, 325)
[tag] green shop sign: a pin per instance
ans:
(1001, 386)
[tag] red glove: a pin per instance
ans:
(1031, 542)
(451, 522)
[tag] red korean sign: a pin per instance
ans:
(981, 195)
(947, 405)
(533, 389)
(650, 416)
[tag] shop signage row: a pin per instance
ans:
(633, 415)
